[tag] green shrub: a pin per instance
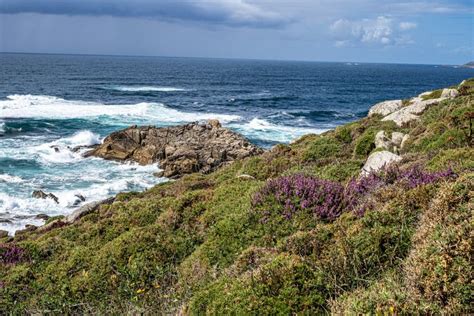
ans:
(365, 143)
(343, 134)
(323, 147)
(433, 95)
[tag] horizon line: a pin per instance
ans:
(222, 58)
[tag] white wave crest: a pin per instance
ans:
(264, 130)
(145, 89)
(82, 138)
(34, 106)
(10, 179)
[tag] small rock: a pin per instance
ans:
(56, 148)
(86, 209)
(214, 123)
(449, 93)
(386, 107)
(159, 174)
(78, 148)
(379, 160)
(3, 233)
(246, 177)
(405, 139)
(80, 197)
(39, 194)
(397, 138)
(42, 216)
(382, 141)
(421, 95)
(28, 228)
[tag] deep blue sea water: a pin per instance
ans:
(67, 101)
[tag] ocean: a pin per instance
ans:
(50, 104)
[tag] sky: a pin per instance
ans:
(419, 31)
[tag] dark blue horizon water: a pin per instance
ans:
(70, 100)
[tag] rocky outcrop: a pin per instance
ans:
(38, 194)
(379, 160)
(394, 110)
(3, 233)
(179, 150)
(411, 112)
(386, 107)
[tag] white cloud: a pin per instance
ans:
(405, 26)
(378, 30)
(382, 30)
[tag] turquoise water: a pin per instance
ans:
(64, 101)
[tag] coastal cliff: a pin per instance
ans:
(372, 217)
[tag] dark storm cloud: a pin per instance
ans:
(229, 12)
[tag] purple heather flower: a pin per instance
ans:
(328, 199)
(11, 254)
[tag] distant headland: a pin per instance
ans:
(469, 65)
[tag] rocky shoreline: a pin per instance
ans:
(204, 147)
(195, 147)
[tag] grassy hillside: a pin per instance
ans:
(298, 234)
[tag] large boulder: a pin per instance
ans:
(386, 107)
(379, 160)
(194, 147)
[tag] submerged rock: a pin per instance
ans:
(180, 150)
(379, 160)
(39, 194)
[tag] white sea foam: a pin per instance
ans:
(264, 130)
(82, 138)
(98, 181)
(144, 89)
(34, 106)
(10, 179)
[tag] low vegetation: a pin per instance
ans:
(300, 233)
